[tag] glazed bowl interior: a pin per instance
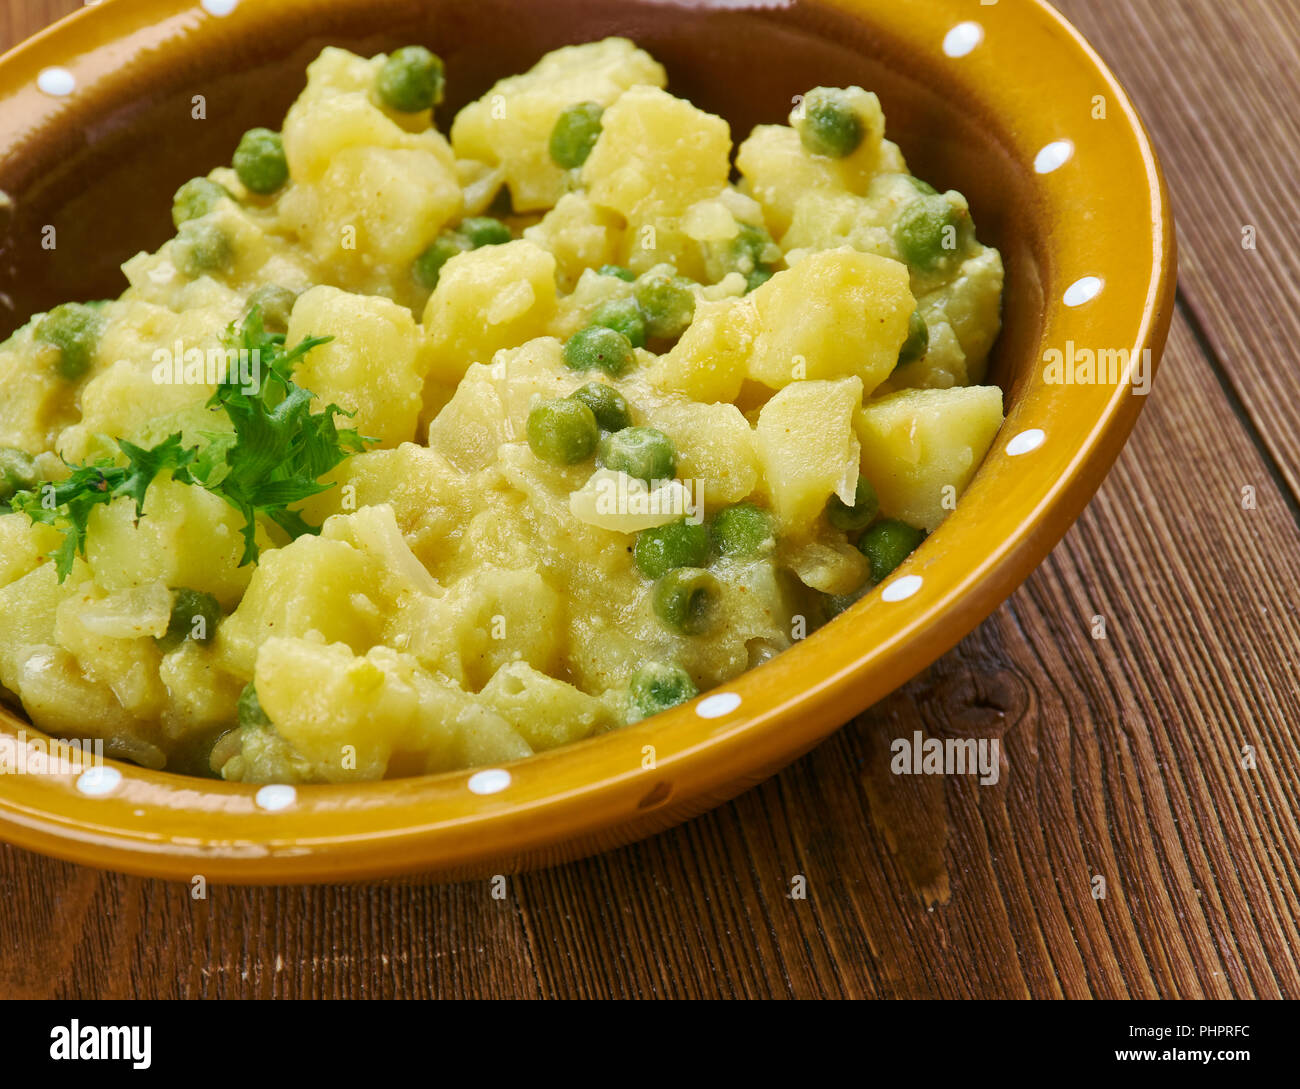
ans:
(102, 164)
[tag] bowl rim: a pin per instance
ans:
(165, 825)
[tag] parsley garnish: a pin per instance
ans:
(274, 457)
(67, 504)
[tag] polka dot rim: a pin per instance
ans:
(491, 781)
(96, 782)
(218, 7)
(723, 703)
(1082, 291)
(58, 82)
(901, 589)
(275, 797)
(962, 39)
(1054, 156)
(1025, 442)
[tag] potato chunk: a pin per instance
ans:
(187, 537)
(657, 155)
(835, 313)
(351, 718)
(313, 585)
(511, 124)
(710, 361)
(715, 449)
(808, 449)
(372, 365)
(921, 447)
(546, 712)
(486, 300)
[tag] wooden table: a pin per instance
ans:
(1162, 759)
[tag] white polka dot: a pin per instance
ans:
(1082, 291)
(1054, 156)
(1025, 441)
(276, 796)
(99, 781)
(962, 38)
(56, 81)
(717, 706)
(901, 589)
(491, 781)
(219, 7)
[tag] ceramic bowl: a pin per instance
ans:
(1005, 102)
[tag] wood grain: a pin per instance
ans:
(1122, 757)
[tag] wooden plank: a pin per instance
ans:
(1218, 83)
(1123, 759)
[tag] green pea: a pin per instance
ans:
(830, 125)
(249, 711)
(743, 531)
(260, 162)
(608, 405)
(17, 472)
(667, 301)
(747, 252)
(428, 266)
(678, 544)
(599, 347)
(686, 600)
(624, 316)
(201, 247)
(835, 604)
(659, 687)
(618, 272)
(195, 199)
(412, 79)
(563, 432)
(917, 342)
(575, 134)
(641, 452)
(926, 232)
(74, 329)
(481, 231)
(194, 616)
(275, 304)
(887, 544)
(863, 512)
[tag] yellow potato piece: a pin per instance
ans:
(834, 314)
(188, 537)
(511, 125)
(372, 367)
(493, 298)
(657, 154)
(314, 585)
(807, 447)
(920, 448)
(715, 449)
(712, 358)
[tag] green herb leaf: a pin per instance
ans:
(68, 504)
(279, 448)
(274, 457)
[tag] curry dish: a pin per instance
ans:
(413, 452)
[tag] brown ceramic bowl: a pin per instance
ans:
(1005, 102)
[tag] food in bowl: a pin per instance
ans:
(412, 453)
